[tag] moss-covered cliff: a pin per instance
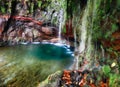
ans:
(92, 25)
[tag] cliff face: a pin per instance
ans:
(100, 27)
(28, 21)
(97, 37)
(23, 30)
(92, 25)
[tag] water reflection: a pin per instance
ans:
(28, 64)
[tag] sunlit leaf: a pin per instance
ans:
(39, 3)
(113, 64)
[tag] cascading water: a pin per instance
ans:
(89, 32)
(75, 45)
(57, 15)
(103, 52)
(60, 24)
(83, 37)
(85, 47)
(83, 30)
(75, 25)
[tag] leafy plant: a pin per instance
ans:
(114, 27)
(31, 8)
(2, 9)
(106, 69)
(39, 3)
(114, 80)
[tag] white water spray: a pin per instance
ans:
(60, 25)
(83, 30)
(85, 46)
(75, 44)
(83, 36)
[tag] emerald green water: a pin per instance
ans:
(26, 65)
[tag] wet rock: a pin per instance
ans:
(36, 33)
(47, 30)
(21, 9)
(29, 34)
(54, 40)
(19, 32)
(10, 30)
(12, 35)
(30, 24)
(1, 25)
(28, 31)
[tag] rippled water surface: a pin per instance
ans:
(26, 65)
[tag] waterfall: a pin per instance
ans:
(83, 30)
(75, 40)
(83, 36)
(61, 22)
(85, 47)
(75, 23)
(75, 45)
(76, 64)
(103, 52)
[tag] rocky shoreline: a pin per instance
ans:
(27, 32)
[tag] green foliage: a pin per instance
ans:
(31, 8)
(114, 80)
(106, 69)
(5, 6)
(105, 21)
(96, 32)
(2, 9)
(114, 27)
(118, 4)
(39, 3)
(72, 6)
(64, 30)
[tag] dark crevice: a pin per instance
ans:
(13, 11)
(83, 3)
